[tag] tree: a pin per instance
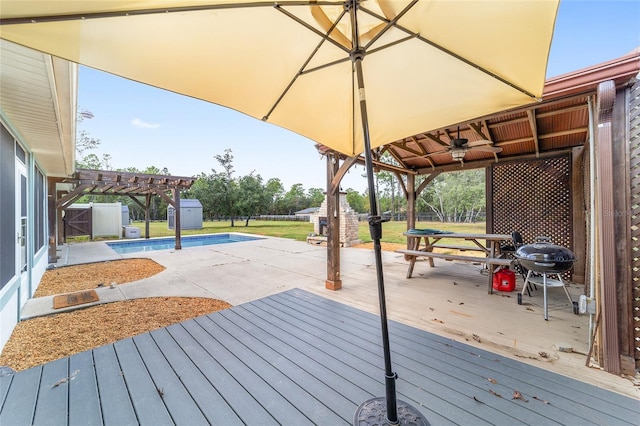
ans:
(90, 161)
(357, 201)
(202, 189)
(386, 187)
(295, 199)
(455, 196)
(275, 192)
(225, 194)
(252, 196)
(316, 197)
(466, 195)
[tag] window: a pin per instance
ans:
(7, 212)
(40, 208)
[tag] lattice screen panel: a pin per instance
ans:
(634, 202)
(534, 198)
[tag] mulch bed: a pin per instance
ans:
(88, 276)
(45, 339)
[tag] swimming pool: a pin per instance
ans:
(125, 247)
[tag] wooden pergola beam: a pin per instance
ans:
(108, 182)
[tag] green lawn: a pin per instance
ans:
(391, 231)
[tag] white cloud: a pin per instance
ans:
(143, 124)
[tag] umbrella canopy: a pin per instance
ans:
(426, 64)
(301, 65)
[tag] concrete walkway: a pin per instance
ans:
(450, 299)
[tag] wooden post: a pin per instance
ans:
(147, 206)
(579, 219)
(411, 203)
(52, 219)
(58, 217)
(176, 198)
(333, 281)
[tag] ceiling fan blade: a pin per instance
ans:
(486, 148)
(478, 143)
(431, 154)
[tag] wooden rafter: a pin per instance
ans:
(107, 182)
(397, 157)
(437, 139)
(531, 114)
(403, 145)
(477, 128)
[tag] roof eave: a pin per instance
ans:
(623, 71)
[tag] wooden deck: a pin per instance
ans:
(295, 358)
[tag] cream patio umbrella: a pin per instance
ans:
(351, 75)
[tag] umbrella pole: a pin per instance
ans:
(371, 411)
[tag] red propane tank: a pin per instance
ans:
(504, 280)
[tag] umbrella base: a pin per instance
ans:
(374, 412)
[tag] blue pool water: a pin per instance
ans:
(125, 247)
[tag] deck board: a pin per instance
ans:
(84, 385)
(231, 391)
(181, 406)
(448, 400)
(53, 395)
(568, 399)
(269, 399)
(5, 383)
(145, 396)
(204, 394)
(308, 400)
(112, 389)
(367, 366)
(574, 399)
(296, 358)
(311, 358)
(20, 402)
(287, 401)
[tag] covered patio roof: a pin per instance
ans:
(559, 122)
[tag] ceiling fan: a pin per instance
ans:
(458, 147)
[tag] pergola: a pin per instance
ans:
(568, 169)
(108, 182)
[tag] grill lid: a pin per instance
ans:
(545, 257)
(545, 252)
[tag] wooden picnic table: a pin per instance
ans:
(422, 245)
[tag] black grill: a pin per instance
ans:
(545, 257)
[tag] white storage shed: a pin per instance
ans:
(106, 218)
(190, 214)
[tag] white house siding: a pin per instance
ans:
(38, 110)
(20, 276)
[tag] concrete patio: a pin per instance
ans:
(450, 300)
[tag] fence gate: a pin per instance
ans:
(77, 222)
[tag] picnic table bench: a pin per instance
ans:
(491, 254)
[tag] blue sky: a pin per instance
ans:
(142, 126)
